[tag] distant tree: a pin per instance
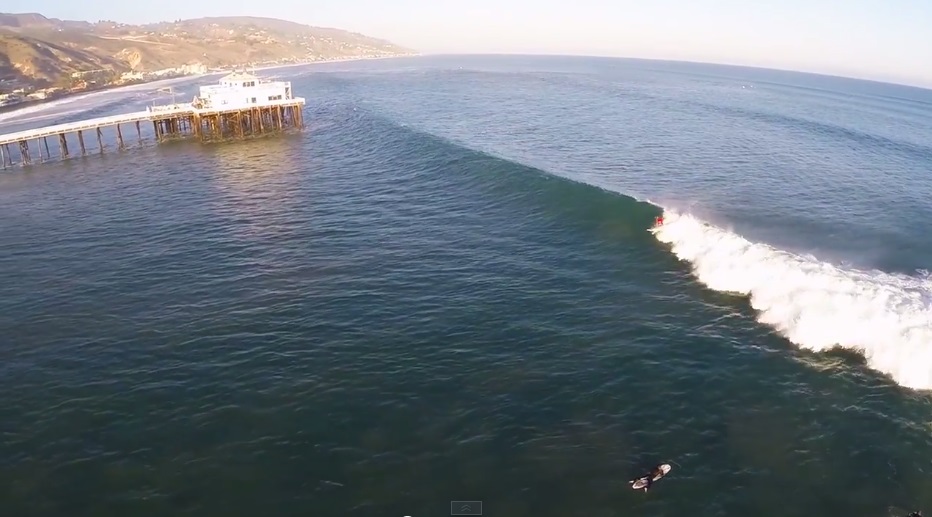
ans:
(64, 81)
(110, 76)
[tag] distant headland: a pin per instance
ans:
(42, 58)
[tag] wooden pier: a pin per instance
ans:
(201, 119)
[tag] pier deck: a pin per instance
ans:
(73, 127)
(168, 122)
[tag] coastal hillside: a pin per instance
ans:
(39, 51)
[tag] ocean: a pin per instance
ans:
(444, 289)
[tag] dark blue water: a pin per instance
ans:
(444, 289)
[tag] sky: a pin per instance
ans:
(887, 40)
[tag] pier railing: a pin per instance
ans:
(169, 108)
(72, 127)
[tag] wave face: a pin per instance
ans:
(819, 172)
(816, 305)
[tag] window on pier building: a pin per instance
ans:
(275, 97)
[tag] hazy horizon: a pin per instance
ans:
(867, 39)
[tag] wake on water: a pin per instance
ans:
(818, 306)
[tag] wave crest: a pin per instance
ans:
(885, 317)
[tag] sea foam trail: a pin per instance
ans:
(886, 317)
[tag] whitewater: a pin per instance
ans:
(814, 304)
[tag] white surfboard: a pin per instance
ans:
(641, 482)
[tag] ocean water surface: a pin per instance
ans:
(445, 288)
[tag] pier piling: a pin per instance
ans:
(24, 151)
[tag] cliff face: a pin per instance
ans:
(46, 51)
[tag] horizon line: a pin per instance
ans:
(890, 82)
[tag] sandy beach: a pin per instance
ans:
(24, 108)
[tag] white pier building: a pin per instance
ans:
(242, 90)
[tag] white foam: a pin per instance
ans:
(88, 100)
(816, 305)
(35, 108)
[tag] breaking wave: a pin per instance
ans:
(816, 305)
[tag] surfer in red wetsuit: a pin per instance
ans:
(659, 220)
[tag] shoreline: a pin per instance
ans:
(17, 109)
(338, 60)
(38, 102)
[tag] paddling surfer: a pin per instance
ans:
(657, 473)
